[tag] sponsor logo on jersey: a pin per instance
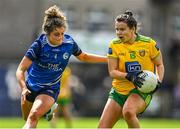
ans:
(132, 54)
(56, 50)
(132, 67)
(122, 54)
(54, 67)
(46, 55)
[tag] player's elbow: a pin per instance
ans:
(82, 57)
(19, 74)
(112, 74)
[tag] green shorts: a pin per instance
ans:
(63, 101)
(121, 99)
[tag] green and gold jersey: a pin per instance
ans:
(65, 91)
(132, 57)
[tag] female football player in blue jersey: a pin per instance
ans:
(45, 62)
(129, 54)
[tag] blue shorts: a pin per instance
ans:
(48, 91)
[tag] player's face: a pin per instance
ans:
(56, 36)
(124, 32)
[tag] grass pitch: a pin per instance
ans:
(91, 123)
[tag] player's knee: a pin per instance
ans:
(128, 114)
(102, 125)
(34, 115)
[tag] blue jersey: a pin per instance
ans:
(49, 61)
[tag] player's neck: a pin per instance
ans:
(51, 43)
(133, 39)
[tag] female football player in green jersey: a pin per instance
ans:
(128, 55)
(64, 100)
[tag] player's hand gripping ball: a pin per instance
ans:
(150, 82)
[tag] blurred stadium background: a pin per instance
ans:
(91, 23)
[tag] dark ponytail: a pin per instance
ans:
(128, 18)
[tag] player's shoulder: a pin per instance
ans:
(68, 39)
(41, 39)
(115, 41)
(143, 38)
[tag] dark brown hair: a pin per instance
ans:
(53, 18)
(128, 18)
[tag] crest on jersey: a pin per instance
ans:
(142, 53)
(65, 55)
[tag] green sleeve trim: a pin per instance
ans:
(116, 41)
(144, 38)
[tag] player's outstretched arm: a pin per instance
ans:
(91, 58)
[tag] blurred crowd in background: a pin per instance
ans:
(91, 22)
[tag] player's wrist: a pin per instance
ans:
(129, 76)
(135, 79)
(24, 88)
(159, 83)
